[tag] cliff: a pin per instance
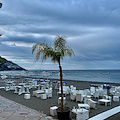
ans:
(8, 65)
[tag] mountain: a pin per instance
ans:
(8, 65)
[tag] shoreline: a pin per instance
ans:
(95, 82)
(72, 80)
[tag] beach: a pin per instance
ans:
(44, 105)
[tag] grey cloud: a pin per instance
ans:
(82, 12)
(92, 27)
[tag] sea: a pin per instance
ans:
(108, 76)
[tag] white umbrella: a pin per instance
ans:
(45, 74)
(58, 74)
(4, 76)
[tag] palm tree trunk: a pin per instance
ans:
(61, 84)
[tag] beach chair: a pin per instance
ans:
(112, 90)
(26, 96)
(92, 89)
(96, 94)
(72, 95)
(118, 89)
(104, 91)
(117, 94)
(49, 95)
(86, 99)
(116, 98)
(43, 96)
(53, 111)
(87, 92)
(92, 104)
(78, 97)
(107, 97)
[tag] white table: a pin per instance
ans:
(81, 114)
(23, 87)
(22, 84)
(84, 106)
(27, 89)
(38, 93)
(104, 101)
(17, 89)
(59, 93)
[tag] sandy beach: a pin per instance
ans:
(44, 105)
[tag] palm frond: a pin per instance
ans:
(59, 51)
(59, 43)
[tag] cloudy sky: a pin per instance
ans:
(92, 28)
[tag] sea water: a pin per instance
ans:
(112, 76)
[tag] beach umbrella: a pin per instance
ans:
(30, 74)
(65, 83)
(58, 74)
(45, 74)
(4, 76)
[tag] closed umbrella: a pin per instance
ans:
(45, 74)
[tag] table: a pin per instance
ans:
(59, 93)
(84, 106)
(17, 89)
(23, 88)
(22, 84)
(38, 93)
(26, 89)
(81, 114)
(104, 101)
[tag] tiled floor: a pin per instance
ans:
(10, 110)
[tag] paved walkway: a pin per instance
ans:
(10, 110)
(106, 114)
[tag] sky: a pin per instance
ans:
(91, 27)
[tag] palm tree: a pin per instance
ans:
(56, 54)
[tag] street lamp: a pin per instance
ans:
(0, 5)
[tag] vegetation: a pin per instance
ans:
(56, 53)
(2, 60)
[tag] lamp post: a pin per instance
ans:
(0, 5)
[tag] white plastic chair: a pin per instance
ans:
(92, 104)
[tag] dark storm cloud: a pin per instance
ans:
(92, 28)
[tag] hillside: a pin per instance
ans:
(8, 65)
